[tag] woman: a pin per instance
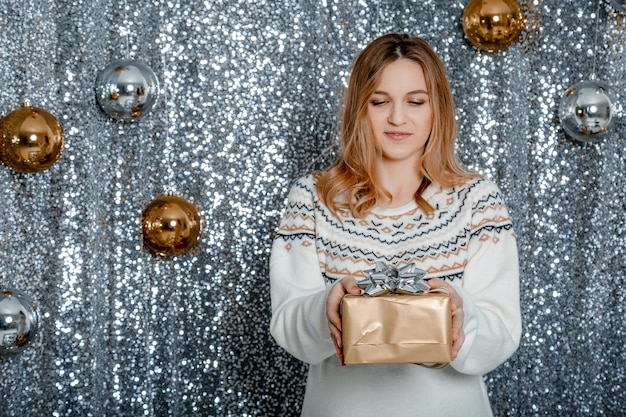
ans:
(398, 195)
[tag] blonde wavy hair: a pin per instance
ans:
(351, 183)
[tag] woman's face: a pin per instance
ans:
(400, 113)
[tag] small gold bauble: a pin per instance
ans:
(493, 25)
(170, 225)
(31, 139)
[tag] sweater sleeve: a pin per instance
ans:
(490, 286)
(298, 289)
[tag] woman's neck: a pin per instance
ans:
(401, 181)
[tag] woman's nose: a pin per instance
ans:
(396, 115)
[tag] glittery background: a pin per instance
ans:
(250, 96)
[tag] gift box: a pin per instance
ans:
(397, 328)
(398, 319)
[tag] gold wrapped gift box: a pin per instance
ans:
(397, 328)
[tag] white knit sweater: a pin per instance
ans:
(469, 242)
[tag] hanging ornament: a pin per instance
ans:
(31, 139)
(586, 110)
(19, 321)
(620, 5)
(493, 25)
(127, 89)
(170, 225)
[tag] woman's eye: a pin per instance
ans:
(378, 102)
(416, 103)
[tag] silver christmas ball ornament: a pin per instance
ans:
(127, 89)
(19, 321)
(587, 110)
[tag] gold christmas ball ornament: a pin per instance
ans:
(170, 225)
(31, 139)
(493, 25)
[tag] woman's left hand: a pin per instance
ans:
(346, 285)
(457, 313)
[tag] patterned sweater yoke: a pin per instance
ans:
(438, 243)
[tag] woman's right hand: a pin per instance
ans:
(345, 286)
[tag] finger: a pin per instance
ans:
(335, 320)
(351, 286)
(335, 334)
(457, 301)
(456, 346)
(435, 283)
(332, 309)
(337, 340)
(455, 298)
(458, 316)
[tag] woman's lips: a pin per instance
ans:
(397, 135)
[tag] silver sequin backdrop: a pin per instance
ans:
(251, 91)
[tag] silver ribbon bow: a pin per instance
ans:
(383, 279)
